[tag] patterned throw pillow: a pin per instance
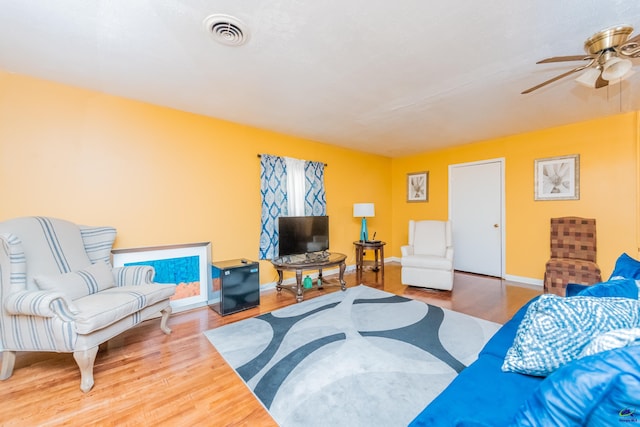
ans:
(555, 330)
(617, 338)
(78, 284)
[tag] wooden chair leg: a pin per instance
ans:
(8, 362)
(163, 322)
(85, 360)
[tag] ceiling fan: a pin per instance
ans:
(607, 58)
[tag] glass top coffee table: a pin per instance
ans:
(302, 263)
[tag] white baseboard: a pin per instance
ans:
(193, 306)
(509, 277)
(291, 280)
(525, 280)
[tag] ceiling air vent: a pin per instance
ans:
(226, 30)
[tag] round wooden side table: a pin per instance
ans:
(377, 246)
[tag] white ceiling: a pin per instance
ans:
(388, 77)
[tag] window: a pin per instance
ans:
(282, 193)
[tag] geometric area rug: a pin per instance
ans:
(362, 357)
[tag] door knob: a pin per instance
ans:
(495, 226)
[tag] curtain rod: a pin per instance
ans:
(260, 156)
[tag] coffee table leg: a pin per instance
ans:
(343, 284)
(280, 278)
(299, 295)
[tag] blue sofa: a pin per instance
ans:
(600, 389)
(482, 394)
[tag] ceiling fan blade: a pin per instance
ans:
(565, 58)
(601, 82)
(561, 76)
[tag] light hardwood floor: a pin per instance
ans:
(143, 377)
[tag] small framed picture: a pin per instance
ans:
(557, 178)
(418, 187)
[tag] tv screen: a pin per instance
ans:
(303, 234)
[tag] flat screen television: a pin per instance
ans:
(302, 234)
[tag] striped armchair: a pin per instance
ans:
(58, 292)
(573, 254)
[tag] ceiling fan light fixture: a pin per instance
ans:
(589, 77)
(625, 76)
(607, 38)
(615, 68)
(605, 50)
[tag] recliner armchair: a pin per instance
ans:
(427, 260)
(58, 292)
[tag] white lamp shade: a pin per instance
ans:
(627, 75)
(589, 77)
(363, 209)
(615, 68)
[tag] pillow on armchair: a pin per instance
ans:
(78, 284)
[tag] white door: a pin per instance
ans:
(476, 210)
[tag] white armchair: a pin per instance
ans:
(427, 260)
(58, 292)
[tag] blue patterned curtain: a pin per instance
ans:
(273, 189)
(315, 201)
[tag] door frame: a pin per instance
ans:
(503, 211)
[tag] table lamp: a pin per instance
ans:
(363, 210)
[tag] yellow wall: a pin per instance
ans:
(608, 189)
(162, 176)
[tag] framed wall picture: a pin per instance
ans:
(418, 187)
(186, 265)
(557, 178)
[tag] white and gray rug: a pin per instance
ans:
(362, 357)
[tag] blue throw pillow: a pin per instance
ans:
(599, 390)
(556, 329)
(626, 267)
(574, 289)
(623, 288)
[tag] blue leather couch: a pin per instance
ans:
(603, 389)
